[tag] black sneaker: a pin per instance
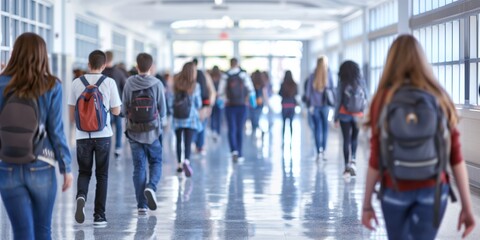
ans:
(151, 198)
(80, 211)
(99, 220)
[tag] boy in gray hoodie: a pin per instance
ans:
(144, 107)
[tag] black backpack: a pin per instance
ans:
(236, 90)
(182, 104)
(22, 133)
(143, 111)
(414, 139)
(354, 98)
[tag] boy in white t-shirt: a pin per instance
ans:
(94, 145)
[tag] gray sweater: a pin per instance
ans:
(139, 82)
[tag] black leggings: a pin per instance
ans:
(187, 142)
(350, 138)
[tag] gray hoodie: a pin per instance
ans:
(139, 82)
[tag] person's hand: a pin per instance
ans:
(67, 181)
(368, 214)
(466, 218)
(337, 124)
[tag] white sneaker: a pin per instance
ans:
(151, 198)
(352, 168)
(142, 211)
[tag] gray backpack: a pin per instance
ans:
(354, 98)
(414, 139)
(21, 132)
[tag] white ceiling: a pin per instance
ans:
(316, 16)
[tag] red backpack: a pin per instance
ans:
(90, 113)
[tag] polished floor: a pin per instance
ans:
(277, 192)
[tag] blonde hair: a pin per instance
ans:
(406, 60)
(320, 80)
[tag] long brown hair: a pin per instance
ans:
(28, 67)
(258, 80)
(289, 87)
(406, 60)
(320, 80)
(185, 80)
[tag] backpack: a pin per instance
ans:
(90, 113)
(414, 139)
(236, 90)
(182, 104)
(354, 98)
(142, 111)
(21, 131)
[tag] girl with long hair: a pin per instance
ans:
(256, 112)
(185, 83)
(28, 190)
(349, 77)
(408, 208)
(319, 81)
(288, 92)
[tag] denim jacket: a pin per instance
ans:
(50, 105)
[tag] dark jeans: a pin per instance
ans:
(236, 117)
(117, 121)
(199, 137)
(141, 154)
(287, 114)
(28, 193)
(409, 214)
(320, 126)
(187, 134)
(86, 150)
(350, 131)
(216, 119)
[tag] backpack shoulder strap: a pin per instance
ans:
(100, 80)
(84, 81)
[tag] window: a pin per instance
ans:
(354, 52)
(119, 45)
(86, 41)
(378, 53)
(441, 44)
(423, 6)
(353, 28)
(138, 47)
(15, 20)
(383, 15)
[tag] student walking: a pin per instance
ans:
(410, 158)
(31, 100)
(120, 78)
(199, 136)
(349, 107)
(288, 92)
(144, 107)
(235, 87)
(318, 84)
(217, 110)
(256, 112)
(186, 121)
(93, 132)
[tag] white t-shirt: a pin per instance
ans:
(111, 99)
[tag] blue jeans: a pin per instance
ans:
(216, 119)
(236, 117)
(320, 126)
(28, 193)
(117, 121)
(199, 136)
(86, 150)
(141, 153)
(409, 214)
(255, 114)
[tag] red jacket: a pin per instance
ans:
(405, 185)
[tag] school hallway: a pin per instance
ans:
(278, 191)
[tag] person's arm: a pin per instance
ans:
(197, 97)
(211, 89)
(368, 213)
(115, 101)
(56, 135)
(338, 101)
(161, 102)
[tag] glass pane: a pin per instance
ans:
(462, 84)
(448, 43)
(33, 10)
(187, 48)
(287, 48)
(5, 31)
(473, 84)
(456, 83)
(218, 48)
(441, 43)
(15, 7)
(473, 36)
(250, 64)
(254, 48)
(456, 40)
(25, 8)
(222, 63)
(428, 43)
(5, 5)
(49, 15)
(435, 44)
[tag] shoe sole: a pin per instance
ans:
(152, 205)
(79, 212)
(352, 172)
(100, 223)
(187, 169)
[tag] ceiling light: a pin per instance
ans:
(218, 2)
